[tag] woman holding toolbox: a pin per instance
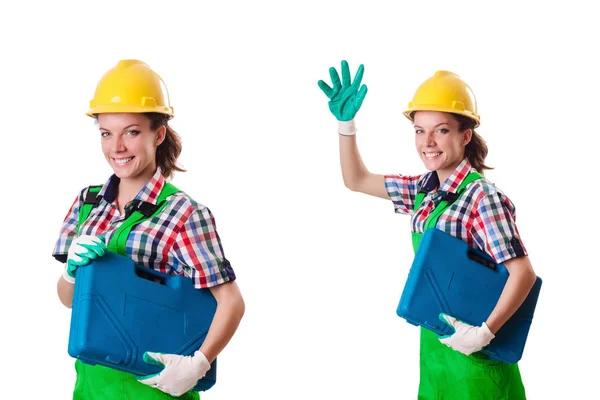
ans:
(132, 108)
(444, 116)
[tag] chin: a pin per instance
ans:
(122, 174)
(429, 166)
(125, 173)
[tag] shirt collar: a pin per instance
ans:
(457, 176)
(149, 192)
(451, 184)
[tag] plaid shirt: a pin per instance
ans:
(182, 239)
(483, 216)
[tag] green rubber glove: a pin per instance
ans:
(82, 251)
(345, 98)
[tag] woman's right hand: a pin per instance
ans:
(345, 98)
(82, 251)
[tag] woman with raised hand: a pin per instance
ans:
(444, 116)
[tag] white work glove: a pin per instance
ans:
(466, 338)
(82, 251)
(180, 373)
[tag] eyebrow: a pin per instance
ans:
(442, 123)
(127, 127)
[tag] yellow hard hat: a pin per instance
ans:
(444, 92)
(131, 87)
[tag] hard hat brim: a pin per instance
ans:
(106, 109)
(440, 108)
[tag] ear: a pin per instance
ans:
(467, 135)
(161, 134)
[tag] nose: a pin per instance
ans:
(118, 144)
(429, 139)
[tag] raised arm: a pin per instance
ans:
(345, 99)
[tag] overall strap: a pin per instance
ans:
(449, 198)
(142, 211)
(90, 201)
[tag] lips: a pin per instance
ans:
(122, 161)
(430, 155)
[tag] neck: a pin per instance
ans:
(443, 174)
(130, 187)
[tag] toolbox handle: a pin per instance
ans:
(151, 275)
(481, 257)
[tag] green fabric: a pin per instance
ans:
(473, 176)
(439, 210)
(446, 374)
(118, 241)
(86, 208)
(450, 375)
(345, 98)
(102, 383)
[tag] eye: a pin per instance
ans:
(443, 130)
(133, 132)
(104, 134)
(419, 131)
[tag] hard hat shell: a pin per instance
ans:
(446, 92)
(131, 87)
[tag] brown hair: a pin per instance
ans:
(170, 149)
(476, 150)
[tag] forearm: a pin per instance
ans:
(65, 291)
(519, 283)
(230, 309)
(354, 172)
(353, 167)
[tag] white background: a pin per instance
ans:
(321, 268)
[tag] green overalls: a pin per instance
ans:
(448, 374)
(102, 383)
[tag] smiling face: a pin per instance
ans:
(439, 142)
(129, 145)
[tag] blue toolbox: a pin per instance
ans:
(120, 310)
(447, 276)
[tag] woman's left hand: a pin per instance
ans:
(345, 97)
(180, 373)
(466, 339)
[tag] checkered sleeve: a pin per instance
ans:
(68, 231)
(495, 229)
(402, 190)
(198, 247)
